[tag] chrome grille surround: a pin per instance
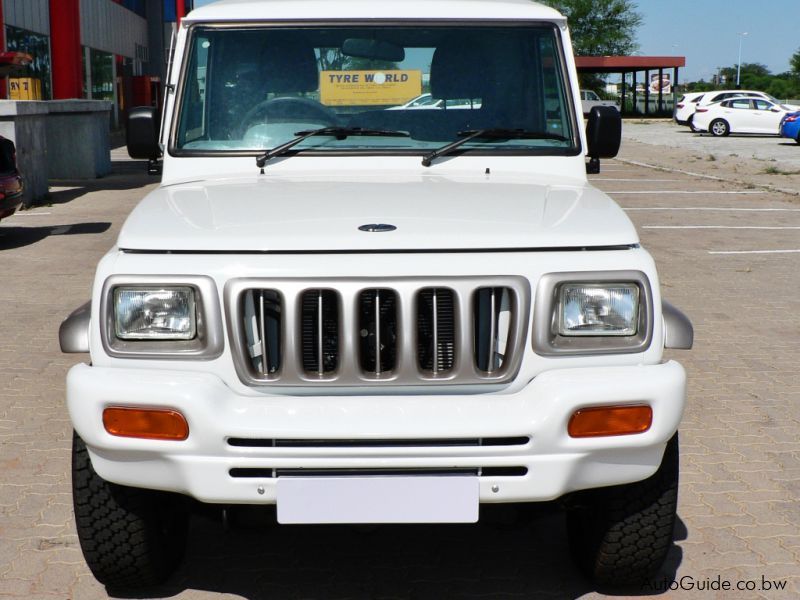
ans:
(406, 370)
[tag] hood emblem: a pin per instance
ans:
(377, 227)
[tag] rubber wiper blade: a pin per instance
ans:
(494, 133)
(339, 133)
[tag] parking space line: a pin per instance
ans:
(711, 208)
(29, 214)
(755, 252)
(685, 192)
(719, 227)
(643, 179)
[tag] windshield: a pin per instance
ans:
(251, 90)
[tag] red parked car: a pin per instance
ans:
(11, 63)
(10, 180)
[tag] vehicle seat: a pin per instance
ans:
(289, 66)
(456, 72)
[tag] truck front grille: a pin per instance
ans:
(351, 332)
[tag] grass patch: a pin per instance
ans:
(771, 170)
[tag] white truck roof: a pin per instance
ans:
(271, 10)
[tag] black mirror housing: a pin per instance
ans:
(604, 132)
(141, 133)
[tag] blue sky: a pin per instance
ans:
(707, 32)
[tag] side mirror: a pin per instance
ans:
(141, 133)
(603, 135)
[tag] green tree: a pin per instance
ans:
(600, 27)
(795, 63)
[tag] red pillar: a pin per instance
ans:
(180, 10)
(65, 48)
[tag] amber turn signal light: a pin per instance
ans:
(610, 420)
(148, 424)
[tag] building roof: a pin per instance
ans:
(278, 10)
(618, 64)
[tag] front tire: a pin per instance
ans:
(131, 538)
(719, 128)
(620, 536)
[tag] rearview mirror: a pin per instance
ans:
(603, 135)
(373, 49)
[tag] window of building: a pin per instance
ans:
(137, 6)
(100, 68)
(38, 46)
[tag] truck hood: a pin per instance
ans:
(316, 213)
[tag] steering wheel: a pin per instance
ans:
(288, 110)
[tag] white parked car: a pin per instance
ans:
(740, 115)
(590, 99)
(428, 102)
(720, 95)
(685, 107)
(421, 101)
(685, 115)
(368, 316)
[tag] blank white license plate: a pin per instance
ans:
(378, 499)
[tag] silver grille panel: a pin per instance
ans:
(356, 332)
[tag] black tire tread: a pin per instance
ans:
(620, 536)
(131, 538)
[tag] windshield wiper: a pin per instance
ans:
(339, 133)
(496, 133)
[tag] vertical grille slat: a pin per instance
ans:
(319, 331)
(378, 328)
(263, 332)
(263, 310)
(493, 310)
(435, 315)
(377, 331)
(492, 330)
(404, 331)
(436, 330)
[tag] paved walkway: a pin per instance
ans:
(739, 514)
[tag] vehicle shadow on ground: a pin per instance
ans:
(505, 555)
(17, 237)
(125, 175)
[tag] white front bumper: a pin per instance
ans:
(201, 465)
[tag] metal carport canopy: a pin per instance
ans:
(633, 64)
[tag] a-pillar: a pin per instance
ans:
(65, 45)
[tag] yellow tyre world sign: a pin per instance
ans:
(360, 88)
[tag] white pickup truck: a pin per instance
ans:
(590, 99)
(362, 315)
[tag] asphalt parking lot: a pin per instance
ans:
(782, 151)
(728, 255)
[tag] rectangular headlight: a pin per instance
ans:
(166, 313)
(595, 309)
